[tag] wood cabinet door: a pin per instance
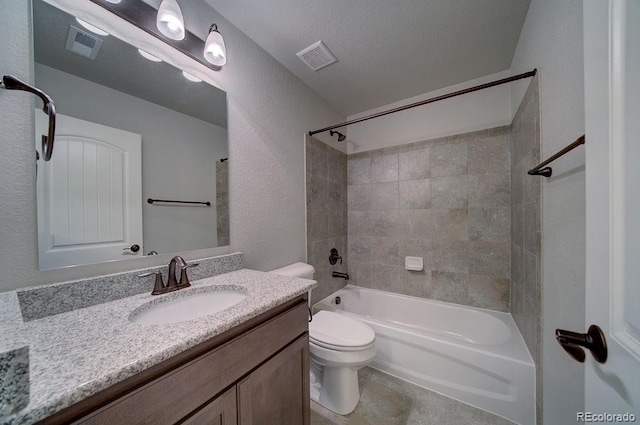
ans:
(277, 392)
(220, 411)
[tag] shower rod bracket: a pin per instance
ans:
(545, 172)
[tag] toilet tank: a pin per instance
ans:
(302, 270)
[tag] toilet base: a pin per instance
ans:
(335, 388)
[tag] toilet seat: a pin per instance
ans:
(340, 333)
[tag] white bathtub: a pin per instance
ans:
(473, 355)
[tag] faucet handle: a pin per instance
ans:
(158, 287)
(184, 279)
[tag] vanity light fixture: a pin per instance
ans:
(191, 77)
(170, 21)
(214, 49)
(170, 28)
(149, 56)
(92, 28)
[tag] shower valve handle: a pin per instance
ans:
(334, 257)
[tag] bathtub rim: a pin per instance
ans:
(514, 348)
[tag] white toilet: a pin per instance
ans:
(338, 346)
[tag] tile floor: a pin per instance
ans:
(386, 400)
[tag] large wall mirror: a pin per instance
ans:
(129, 129)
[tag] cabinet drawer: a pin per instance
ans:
(175, 395)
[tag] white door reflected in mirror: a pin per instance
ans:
(89, 194)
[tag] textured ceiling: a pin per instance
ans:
(387, 50)
(119, 66)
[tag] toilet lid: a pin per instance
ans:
(332, 329)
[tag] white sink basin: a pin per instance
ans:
(189, 306)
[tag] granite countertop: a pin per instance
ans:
(76, 354)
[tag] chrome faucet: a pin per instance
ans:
(172, 282)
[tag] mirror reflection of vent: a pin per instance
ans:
(317, 56)
(83, 43)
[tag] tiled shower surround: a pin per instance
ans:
(326, 214)
(447, 200)
(526, 228)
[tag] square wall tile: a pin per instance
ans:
(489, 224)
(359, 170)
(384, 196)
(450, 256)
(336, 225)
(450, 192)
(415, 223)
(359, 248)
(488, 155)
(386, 251)
(384, 277)
(490, 189)
(336, 167)
(414, 164)
(532, 228)
(333, 200)
(490, 258)
(450, 287)
(359, 197)
(358, 223)
(360, 273)
(415, 194)
(450, 224)
(517, 225)
(384, 168)
(383, 223)
(489, 292)
(449, 160)
(316, 192)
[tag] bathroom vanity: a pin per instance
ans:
(255, 373)
(247, 364)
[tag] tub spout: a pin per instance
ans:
(345, 276)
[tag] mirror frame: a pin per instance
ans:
(132, 34)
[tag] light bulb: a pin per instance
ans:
(191, 77)
(214, 48)
(149, 56)
(170, 21)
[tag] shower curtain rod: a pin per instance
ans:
(427, 101)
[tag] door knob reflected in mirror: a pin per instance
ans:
(593, 340)
(133, 248)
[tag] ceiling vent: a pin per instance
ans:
(83, 43)
(317, 56)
